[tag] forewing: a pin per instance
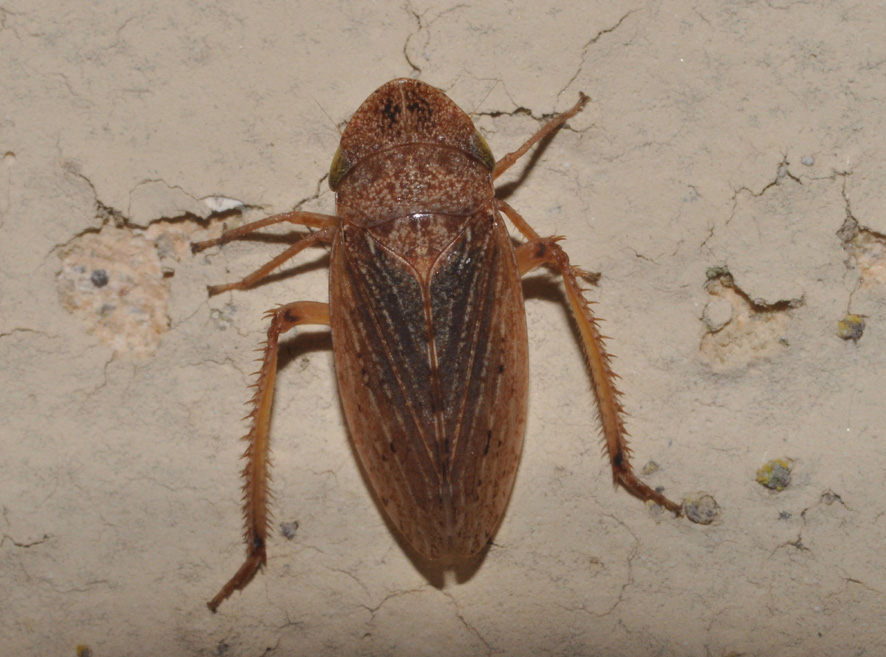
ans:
(381, 355)
(481, 345)
(433, 380)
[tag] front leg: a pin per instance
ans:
(297, 217)
(257, 455)
(324, 235)
(326, 223)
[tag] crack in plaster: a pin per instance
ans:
(584, 51)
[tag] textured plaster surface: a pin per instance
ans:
(727, 181)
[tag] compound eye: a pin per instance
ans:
(337, 169)
(480, 149)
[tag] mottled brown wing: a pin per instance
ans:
(433, 380)
(481, 344)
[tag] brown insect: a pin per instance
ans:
(428, 326)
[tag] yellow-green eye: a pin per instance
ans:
(480, 149)
(337, 169)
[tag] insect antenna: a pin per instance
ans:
(477, 107)
(326, 114)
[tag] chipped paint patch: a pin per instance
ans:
(116, 282)
(739, 331)
(868, 249)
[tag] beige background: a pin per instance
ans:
(739, 136)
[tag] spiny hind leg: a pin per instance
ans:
(545, 251)
(257, 455)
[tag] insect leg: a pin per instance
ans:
(508, 160)
(257, 455)
(312, 219)
(546, 251)
(324, 235)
